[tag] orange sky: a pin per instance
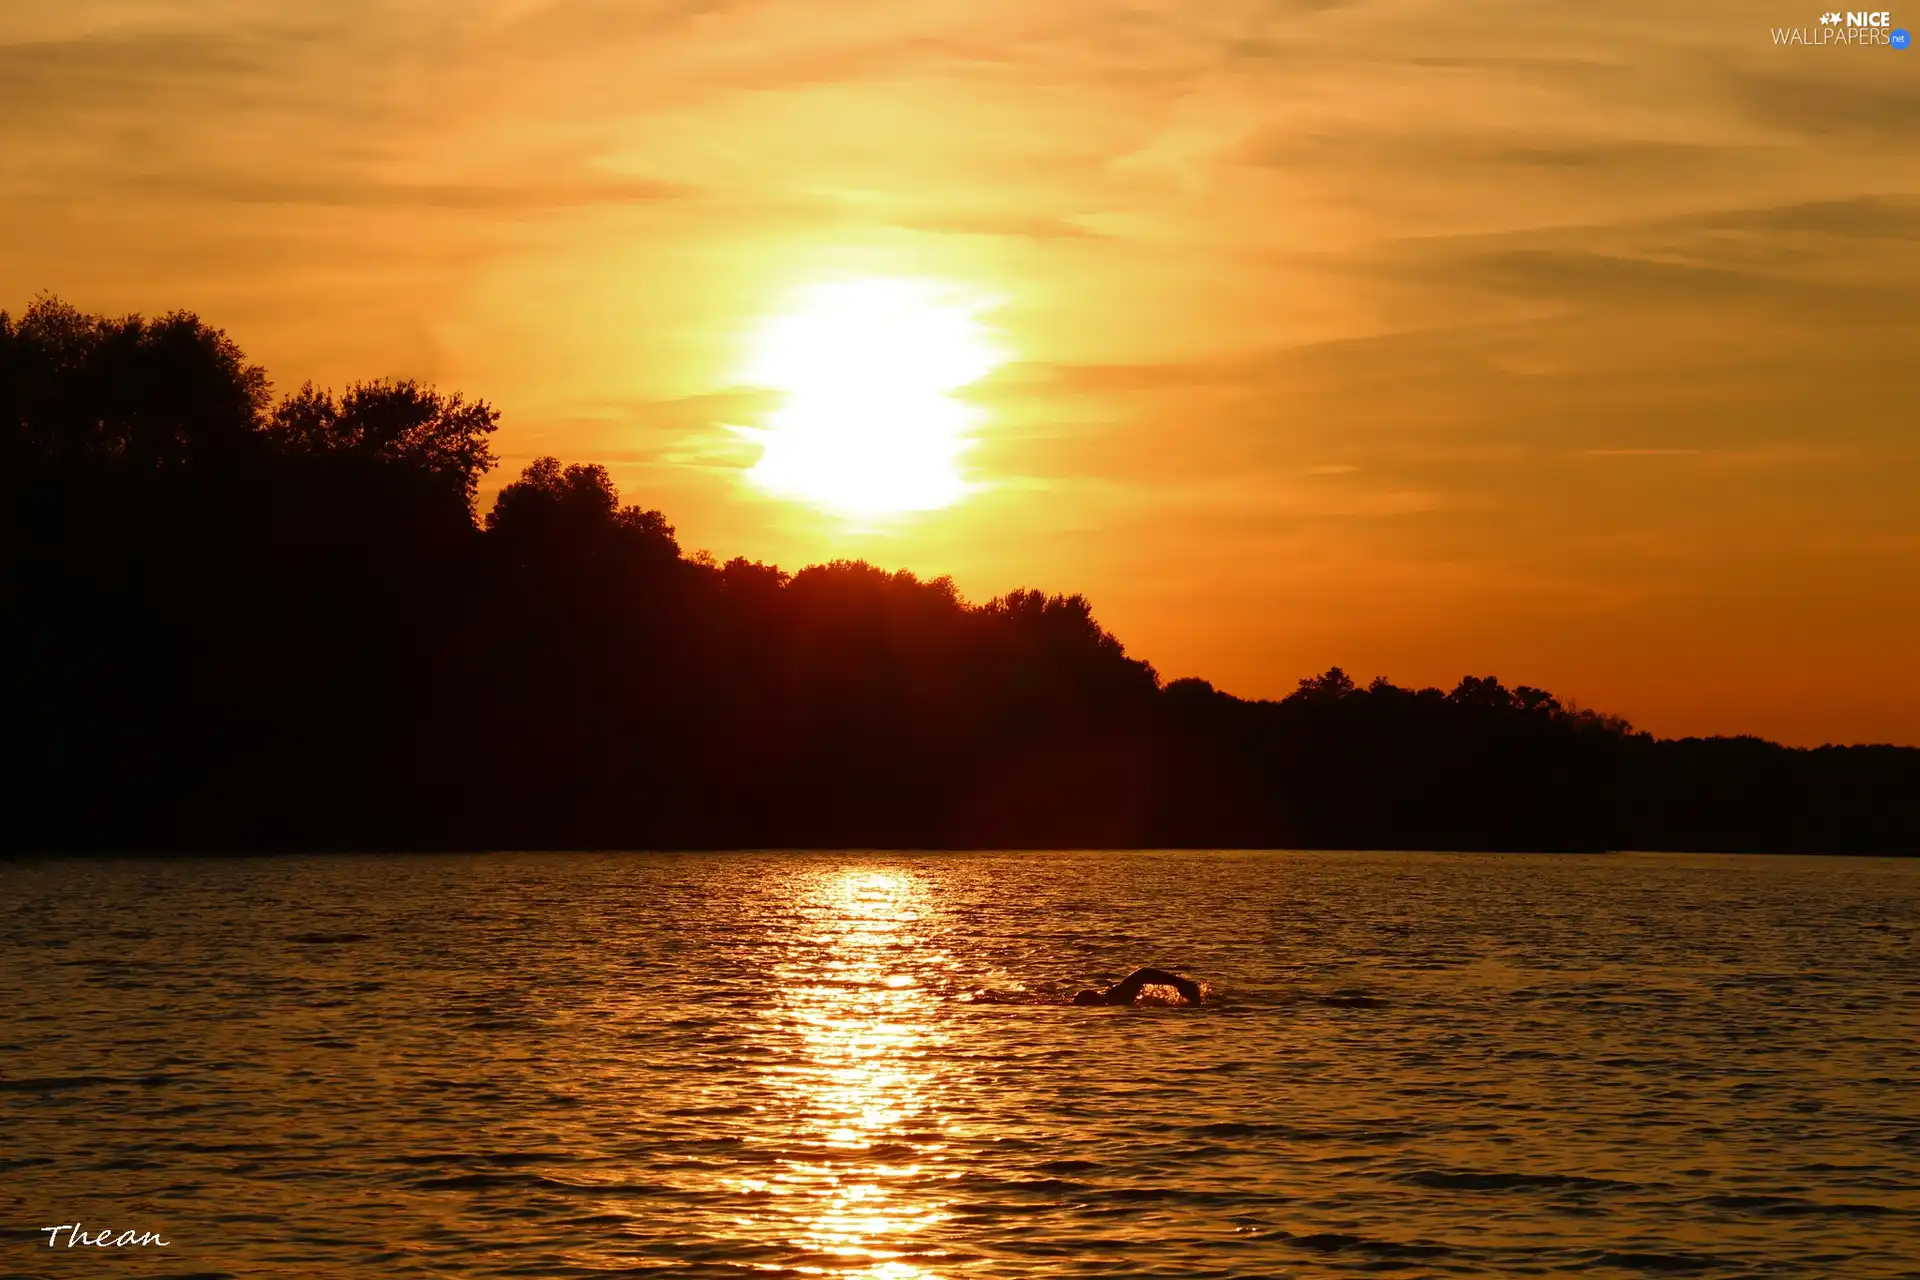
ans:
(1573, 343)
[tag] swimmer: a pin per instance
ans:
(1127, 990)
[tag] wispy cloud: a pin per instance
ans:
(358, 190)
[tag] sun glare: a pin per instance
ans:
(870, 425)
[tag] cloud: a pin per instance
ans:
(1612, 158)
(1610, 278)
(1871, 217)
(1863, 105)
(1097, 379)
(354, 191)
(121, 59)
(1019, 226)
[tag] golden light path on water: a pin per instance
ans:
(859, 1093)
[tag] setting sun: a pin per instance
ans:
(870, 424)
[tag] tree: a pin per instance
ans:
(397, 424)
(1057, 622)
(1333, 686)
(550, 502)
(1481, 691)
(128, 392)
(1536, 701)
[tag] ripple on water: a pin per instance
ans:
(861, 1065)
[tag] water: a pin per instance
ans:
(846, 1065)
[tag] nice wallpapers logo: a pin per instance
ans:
(1847, 30)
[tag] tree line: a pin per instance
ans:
(240, 623)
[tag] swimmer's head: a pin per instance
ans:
(1089, 997)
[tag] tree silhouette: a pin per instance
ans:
(392, 425)
(1332, 686)
(146, 394)
(551, 503)
(234, 624)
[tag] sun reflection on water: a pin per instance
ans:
(864, 1135)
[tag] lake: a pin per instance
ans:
(767, 1064)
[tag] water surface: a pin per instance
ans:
(861, 1065)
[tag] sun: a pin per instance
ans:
(869, 424)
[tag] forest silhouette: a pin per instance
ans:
(238, 623)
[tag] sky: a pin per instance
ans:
(1570, 343)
